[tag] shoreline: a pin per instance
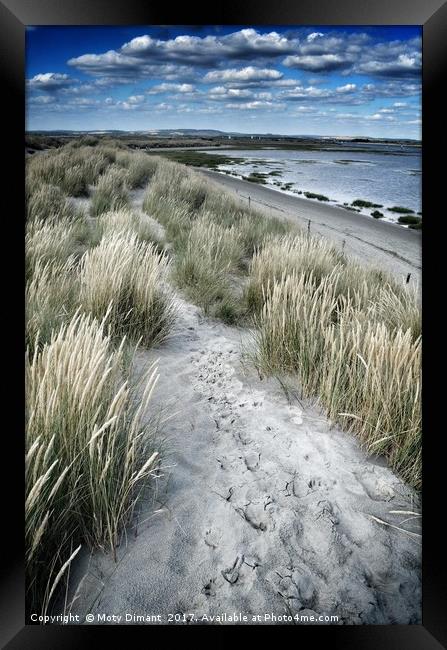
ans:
(376, 242)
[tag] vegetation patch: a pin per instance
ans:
(360, 203)
(410, 219)
(111, 191)
(88, 452)
(349, 207)
(200, 159)
(318, 197)
(400, 210)
(256, 177)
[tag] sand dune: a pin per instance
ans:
(264, 507)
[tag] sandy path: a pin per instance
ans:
(379, 243)
(264, 507)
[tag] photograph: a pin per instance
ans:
(223, 324)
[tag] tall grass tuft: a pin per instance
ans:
(129, 221)
(297, 310)
(48, 202)
(140, 167)
(289, 254)
(399, 308)
(110, 193)
(56, 239)
(89, 453)
(370, 384)
(364, 368)
(211, 253)
(70, 168)
(51, 298)
(131, 276)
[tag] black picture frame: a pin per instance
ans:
(14, 16)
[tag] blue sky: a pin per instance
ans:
(265, 79)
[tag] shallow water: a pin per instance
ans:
(389, 175)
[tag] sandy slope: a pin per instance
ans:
(263, 507)
(380, 243)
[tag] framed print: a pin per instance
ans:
(227, 296)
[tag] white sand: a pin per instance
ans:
(264, 507)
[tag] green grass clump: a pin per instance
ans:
(360, 203)
(256, 177)
(228, 310)
(200, 158)
(400, 210)
(410, 220)
(319, 197)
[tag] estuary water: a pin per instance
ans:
(387, 175)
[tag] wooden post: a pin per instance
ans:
(408, 278)
(308, 228)
(343, 245)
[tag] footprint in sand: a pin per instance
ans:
(295, 414)
(375, 488)
(255, 515)
(210, 588)
(252, 459)
(231, 574)
(213, 538)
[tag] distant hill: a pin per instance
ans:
(215, 133)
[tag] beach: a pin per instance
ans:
(378, 243)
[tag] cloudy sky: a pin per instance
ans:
(304, 80)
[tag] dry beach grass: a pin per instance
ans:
(98, 281)
(309, 304)
(88, 451)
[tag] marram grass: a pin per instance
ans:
(111, 191)
(365, 372)
(127, 278)
(88, 451)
